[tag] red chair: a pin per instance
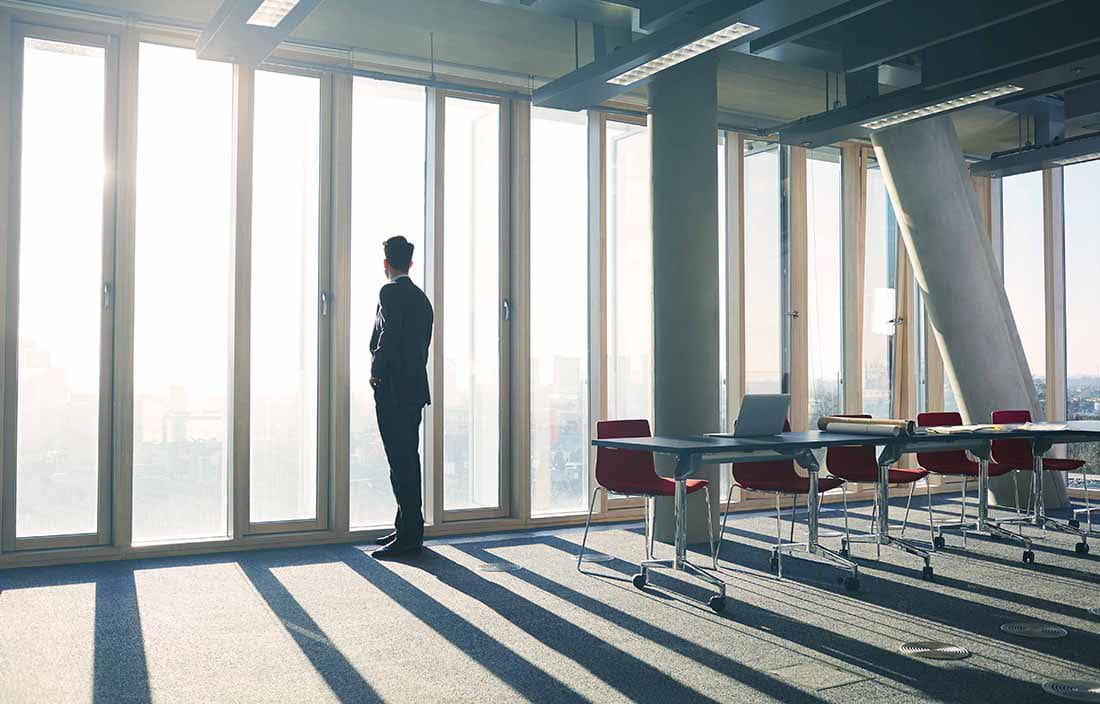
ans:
(778, 477)
(1018, 454)
(631, 473)
(952, 463)
(860, 464)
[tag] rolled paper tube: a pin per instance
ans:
(906, 427)
(863, 429)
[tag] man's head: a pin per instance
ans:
(399, 254)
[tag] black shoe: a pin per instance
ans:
(396, 549)
(386, 539)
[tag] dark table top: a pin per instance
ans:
(789, 443)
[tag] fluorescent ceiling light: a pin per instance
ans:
(699, 46)
(1077, 159)
(908, 115)
(271, 12)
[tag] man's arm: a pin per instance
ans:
(388, 345)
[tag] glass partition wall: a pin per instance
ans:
(234, 265)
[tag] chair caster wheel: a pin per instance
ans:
(851, 583)
(639, 580)
(1075, 523)
(1029, 557)
(1081, 548)
(938, 541)
(717, 603)
(927, 573)
(773, 564)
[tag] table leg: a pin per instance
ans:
(883, 488)
(813, 502)
(983, 494)
(681, 524)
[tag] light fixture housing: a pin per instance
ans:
(962, 101)
(1077, 159)
(683, 53)
(271, 12)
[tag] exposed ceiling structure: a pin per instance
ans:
(810, 72)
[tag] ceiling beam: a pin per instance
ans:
(1034, 76)
(229, 37)
(588, 86)
(908, 26)
(793, 32)
(1057, 30)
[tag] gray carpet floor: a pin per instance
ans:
(325, 624)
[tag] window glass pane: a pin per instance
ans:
(1082, 184)
(723, 286)
(283, 446)
(825, 321)
(182, 296)
(763, 316)
(1023, 269)
(60, 281)
(559, 311)
(387, 200)
(629, 273)
(471, 296)
(879, 297)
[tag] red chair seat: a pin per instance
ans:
(630, 471)
(906, 476)
(1059, 464)
(658, 486)
(792, 485)
(968, 468)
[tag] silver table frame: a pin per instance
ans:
(692, 452)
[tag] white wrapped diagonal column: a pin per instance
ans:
(943, 229)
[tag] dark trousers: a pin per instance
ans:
(399, 425)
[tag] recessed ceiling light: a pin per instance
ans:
(271, 12)
(676, 56)
(917, 113)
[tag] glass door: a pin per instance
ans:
(472, 317)
(60, 293)
(288, 309)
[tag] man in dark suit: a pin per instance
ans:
(399, 376)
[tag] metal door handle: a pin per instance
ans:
(324, 303)
(106, 295)
(507, 309)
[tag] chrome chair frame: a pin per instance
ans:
(829, 556)
(650, 531)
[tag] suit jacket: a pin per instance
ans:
(399, 343)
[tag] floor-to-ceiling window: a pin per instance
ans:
(182, 296)
(559, 311)
(629, 272)
(387, 183)
(1082, 223)
(285, 305)
(472, 309)
(1023, 269)
(824, 283)
(879, 296)
(764, 317)
(64, 307)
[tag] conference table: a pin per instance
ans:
(692, 452)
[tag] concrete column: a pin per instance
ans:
(944, 232)
(684, 142)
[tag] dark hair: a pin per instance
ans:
(399, 253)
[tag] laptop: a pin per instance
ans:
(761, 415)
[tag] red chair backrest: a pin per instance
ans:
(945, 459)
(1013, 453)
(856, 463)
(772, 472)
(616, 469)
